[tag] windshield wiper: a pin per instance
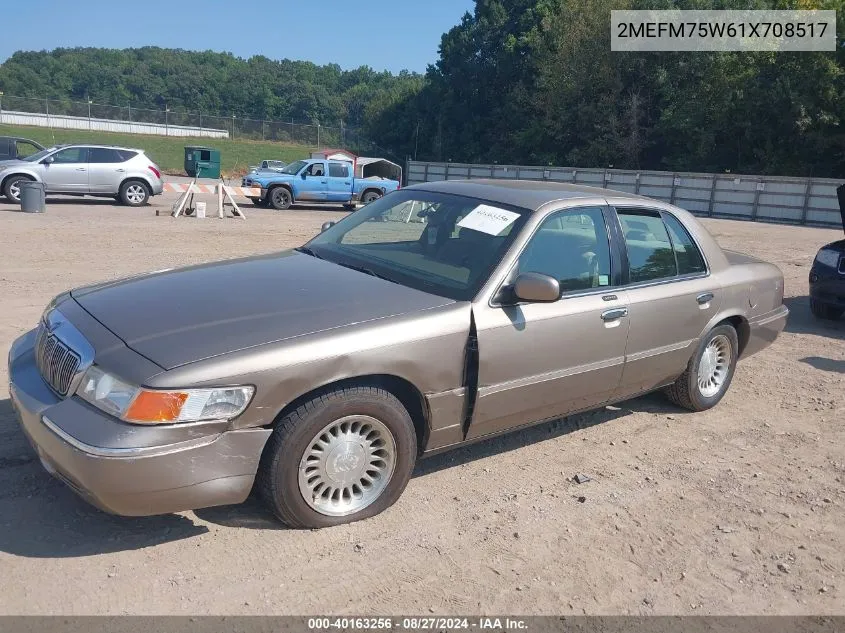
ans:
(366, 271)
(307, 251)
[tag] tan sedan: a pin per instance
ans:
(441, 314)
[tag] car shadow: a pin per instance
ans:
(520, 438)
(802, 321)
(825, 364)
(97, 202)
(40, 517)
(253, 515)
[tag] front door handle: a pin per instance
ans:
(80, 169)
(614, 315)
(705, 297)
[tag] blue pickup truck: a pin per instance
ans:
(320, 181)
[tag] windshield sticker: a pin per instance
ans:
(487, 219)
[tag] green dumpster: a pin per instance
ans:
(202, 162)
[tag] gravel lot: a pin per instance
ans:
(737, 510)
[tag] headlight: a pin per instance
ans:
(828, 257)
(145, 406)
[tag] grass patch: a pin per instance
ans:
(168, 152)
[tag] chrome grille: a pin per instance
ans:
(57, 363)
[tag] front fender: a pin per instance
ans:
(29, 173)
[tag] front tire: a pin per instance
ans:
(281, 198)
(709, 372)
(342, 456)
(823, 311)
(12, 188)
(134, 193)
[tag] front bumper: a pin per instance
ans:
(764, 329)
(827, 286)
(144, 478)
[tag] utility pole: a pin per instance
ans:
(89, 112)
(166, 121)
(1, 106)
(233, 126)
(416, 139)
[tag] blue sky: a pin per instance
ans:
(385, 34)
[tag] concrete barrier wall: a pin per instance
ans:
(810, 201)
(106, 125)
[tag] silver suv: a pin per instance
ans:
(94, 170)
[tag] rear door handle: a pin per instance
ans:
(80, 169)
(120, 170)
(705, 297)
(614, 315)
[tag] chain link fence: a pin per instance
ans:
(69, 114)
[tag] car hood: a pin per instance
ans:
(266, 177)
(10, 162)
(184, 315)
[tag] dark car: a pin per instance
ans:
(827, 276)
(15, 148)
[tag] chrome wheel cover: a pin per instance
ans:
(347, 465)
(15, 190)
(714, 365)
(135, 194)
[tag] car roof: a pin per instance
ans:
(529, 194)
(20, 138)
(128, 149)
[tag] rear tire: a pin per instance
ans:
(823, 311)
(372, 458)
(370, 196)
(12, 188)
(709, 372)
(134, 193)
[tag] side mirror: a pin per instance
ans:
(326, 226)
(49, 160)
(304, 175)
(536, 288)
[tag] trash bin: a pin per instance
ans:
(33, 199)
(202, 162)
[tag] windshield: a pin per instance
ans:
(444, 244)
(294, 167)
(34, 158)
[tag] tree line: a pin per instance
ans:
(516, 81)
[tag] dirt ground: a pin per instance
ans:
(739, 510)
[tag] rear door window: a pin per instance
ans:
(103, 155)
(338, 170)
(650, 253)
(689, 258)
